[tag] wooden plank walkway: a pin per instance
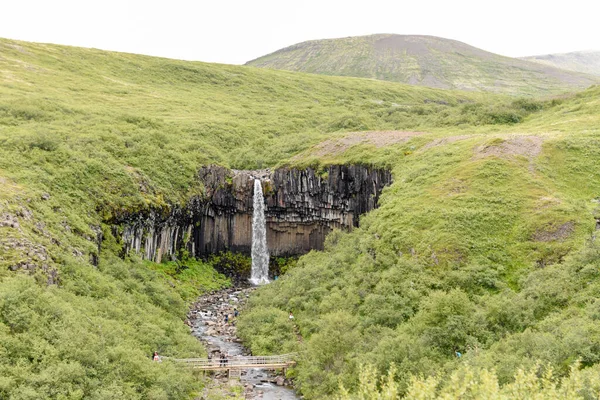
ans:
(238, 362)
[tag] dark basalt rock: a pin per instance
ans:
(303, 206)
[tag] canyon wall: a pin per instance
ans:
(302, 207)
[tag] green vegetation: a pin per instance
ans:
(87, 135)
(481, 245)
(425, 61)
(232, 264)
(469, 383)
(92, 336)
(240, 266)
(189, 277)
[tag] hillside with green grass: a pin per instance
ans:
(424, 61)
(86, 135)
(587, 62)
(482, 245)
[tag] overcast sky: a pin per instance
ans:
(237, 31)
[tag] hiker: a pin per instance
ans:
(155, 357)
(458, 354)
(291, 316)
(235, 312)
(226, 319)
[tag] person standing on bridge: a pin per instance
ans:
(223, 360)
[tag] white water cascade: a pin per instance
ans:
(260, 252)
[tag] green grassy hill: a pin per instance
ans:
(424, 61)
(482, 244)
(88, 134)
(587, 62)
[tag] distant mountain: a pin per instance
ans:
(426, 61)
(579, 61)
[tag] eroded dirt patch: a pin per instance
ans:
(554, 233)
(527, 146)
(377, 138)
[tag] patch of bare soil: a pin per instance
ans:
(527, 146)
(559, 233)
(377, 138)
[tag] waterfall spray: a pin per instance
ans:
(260, 251)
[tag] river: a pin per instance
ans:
(207, 320)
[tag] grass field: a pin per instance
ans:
(482, 245)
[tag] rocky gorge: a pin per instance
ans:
(302, 207)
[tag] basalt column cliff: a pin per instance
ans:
(303, 206)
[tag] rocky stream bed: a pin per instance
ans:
(207, 320)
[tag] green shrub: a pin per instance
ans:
(470, 383)
(43, 142)
(69, 343)
(267, 331)
(232, 264)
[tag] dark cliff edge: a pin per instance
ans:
(303, 206)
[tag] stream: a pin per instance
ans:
(207, 320)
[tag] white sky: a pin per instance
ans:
(237, 31)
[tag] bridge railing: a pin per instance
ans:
(237, 361)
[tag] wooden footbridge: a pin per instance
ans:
(238, 363)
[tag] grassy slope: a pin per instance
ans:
(464, 254)
(104, 132)
(587, 62)
(85, 134)
(423, 60)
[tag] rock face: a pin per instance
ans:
(303, 206)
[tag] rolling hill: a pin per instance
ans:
(425, 61)
(587, 62)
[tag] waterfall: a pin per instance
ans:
(260, 252)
